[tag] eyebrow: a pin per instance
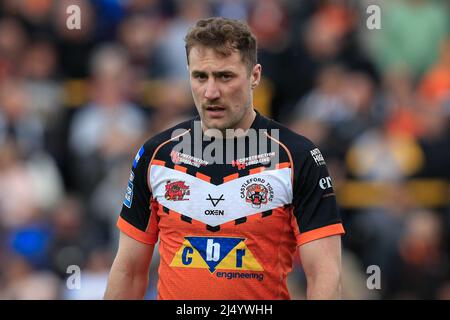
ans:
(215, 73)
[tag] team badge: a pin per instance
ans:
(257, 192)
(176, 191)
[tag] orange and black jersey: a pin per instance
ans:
(228, 229)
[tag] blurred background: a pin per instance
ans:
(75, 105)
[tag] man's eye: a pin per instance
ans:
(226, 77)
(200, 77)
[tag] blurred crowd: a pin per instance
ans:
(75, 105)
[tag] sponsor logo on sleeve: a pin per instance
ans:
(129, 193)
(325, 183)
(317, 156)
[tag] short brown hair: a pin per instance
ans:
(224, 36)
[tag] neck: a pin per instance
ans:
(247, 120)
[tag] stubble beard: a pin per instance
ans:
(230, 122)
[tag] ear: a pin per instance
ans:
(255, 76)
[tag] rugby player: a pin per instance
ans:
(228, 227)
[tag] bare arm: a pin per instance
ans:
(128, 278)
(321, 260)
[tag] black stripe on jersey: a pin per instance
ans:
(186, 218)
(240, 220)
(212, 229)
(216, 180)
(165, 209)
(266, 213)
(167, 164)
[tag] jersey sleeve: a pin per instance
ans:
(137, 219)
(315, 209)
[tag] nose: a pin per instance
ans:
(212, 92)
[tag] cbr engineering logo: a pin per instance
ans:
(218, 253)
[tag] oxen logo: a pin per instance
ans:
(176, 191)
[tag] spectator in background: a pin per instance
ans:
(36, 16)
(108, 16)
(12, 42)
(17, 118)
(421, 265)
(376, 231)
(42, 80)
(39, 70)
(434, 139)
(70, 239)
(139, 35)
(29, 187)
(232, 9)
(336, 111)
(435, 84)
(24, 283)
(325, 37)
(74, 47)
(21, 128)
(155, 8)
(270, 23)
(17, 203)
(95, 277)
(103, 204)
(171, 52)
(401, 116)
(103, 131)
(172, 102)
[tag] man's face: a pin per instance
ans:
(222, 88)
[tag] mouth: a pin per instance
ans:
(215, 111)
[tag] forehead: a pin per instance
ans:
(207, 59)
